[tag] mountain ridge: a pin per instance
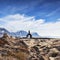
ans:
(20, 33)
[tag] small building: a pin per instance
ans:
(29, 35)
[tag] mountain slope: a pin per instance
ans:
(35, 34)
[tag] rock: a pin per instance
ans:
(51, 58)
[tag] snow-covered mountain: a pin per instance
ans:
(20, 33)
(34, 34)
(3, 30)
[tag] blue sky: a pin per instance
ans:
(46, 9)
(44, 15)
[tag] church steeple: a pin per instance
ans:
(29, 35)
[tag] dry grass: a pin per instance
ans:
(19, 55)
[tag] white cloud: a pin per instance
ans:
(21, 22)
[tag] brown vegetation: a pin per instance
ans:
(29, 49)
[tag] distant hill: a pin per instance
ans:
(20, 33)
